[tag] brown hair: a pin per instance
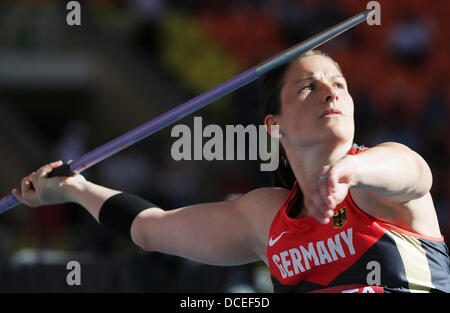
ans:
(270, 103)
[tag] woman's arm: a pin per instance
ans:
(37, 190)
(390, 182)
(213, 233)
(392, 171)
(389, 171)
(216, 233)
(220, 233)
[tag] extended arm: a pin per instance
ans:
(220, 233)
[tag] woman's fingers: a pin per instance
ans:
(57, 163)
(325, 193)
(316, 211)
(31, 184)
(44, 171)
(26, 185)
(319, 201)
(320, 205)
(327, 188)
(26, 194)
(17, 194)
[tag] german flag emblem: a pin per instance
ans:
(340, 218)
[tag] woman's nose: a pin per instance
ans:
(329, 93)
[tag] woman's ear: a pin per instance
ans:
(272, 127)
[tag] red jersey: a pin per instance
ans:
(353, 253)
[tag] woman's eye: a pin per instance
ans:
(306, 88)
(339, 85)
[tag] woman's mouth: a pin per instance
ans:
(331, 113)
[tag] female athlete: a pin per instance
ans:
(343, 218)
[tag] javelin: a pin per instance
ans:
(99, 154)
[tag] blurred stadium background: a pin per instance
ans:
(66, 90)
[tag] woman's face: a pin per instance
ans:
(315, 103)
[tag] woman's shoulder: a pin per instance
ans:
(266, 197)
(262, 203)
(259, 207)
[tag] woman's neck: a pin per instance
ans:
(307, 161)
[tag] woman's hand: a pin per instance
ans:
(37, 189)
(329, 187)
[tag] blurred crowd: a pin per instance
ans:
(66, 90)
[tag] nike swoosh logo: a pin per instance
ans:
(273, 241)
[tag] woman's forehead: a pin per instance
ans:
(311, 66)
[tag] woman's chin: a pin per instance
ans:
(340, 131)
